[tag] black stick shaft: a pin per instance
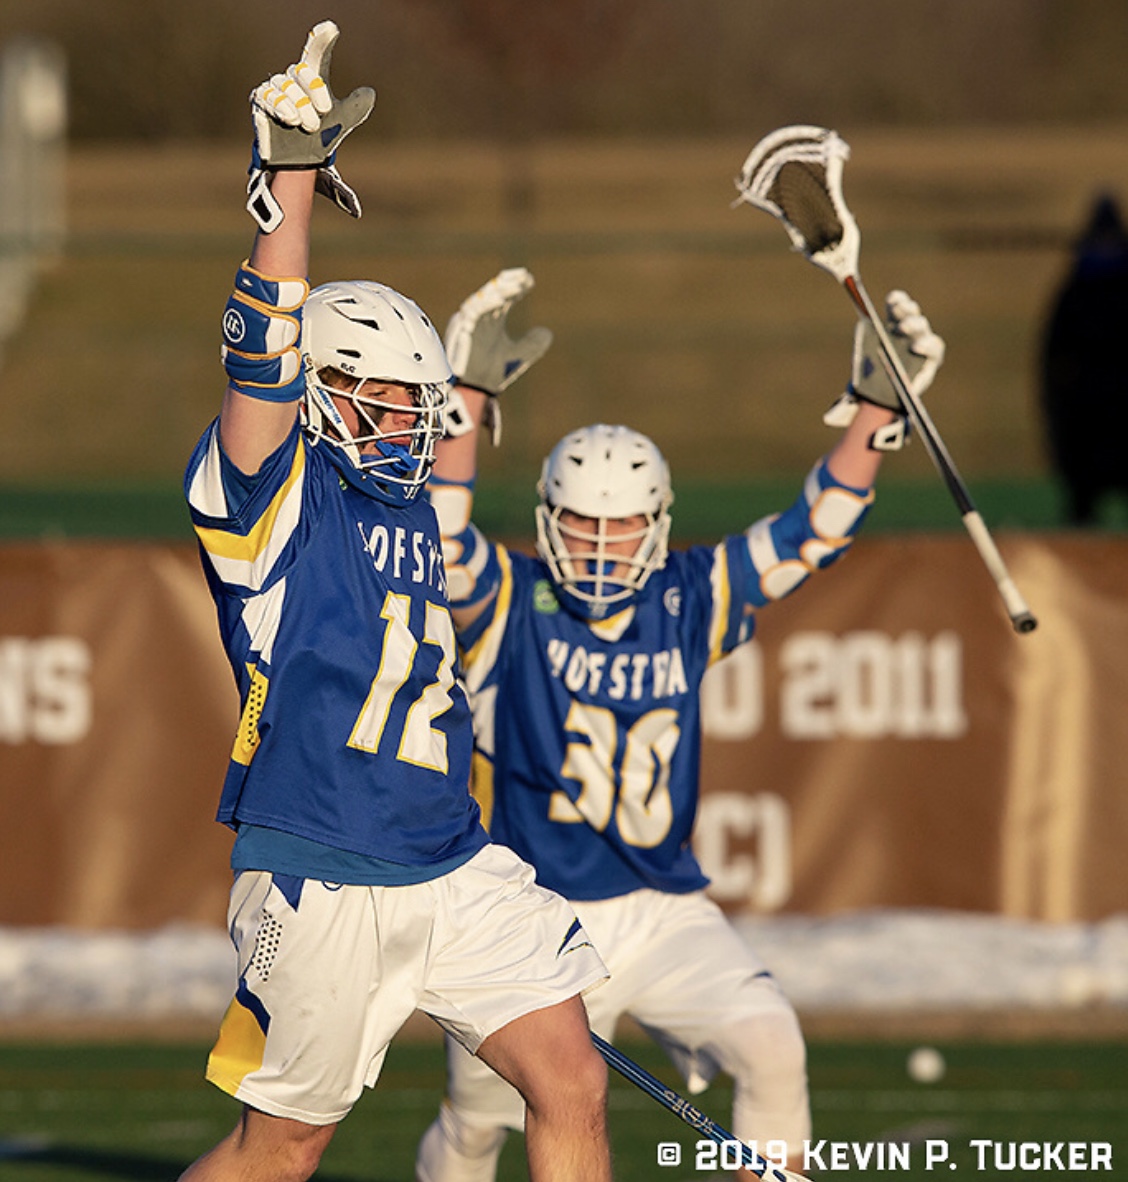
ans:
(1021, 617)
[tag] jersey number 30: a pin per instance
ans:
(641, 807)
(420, 743)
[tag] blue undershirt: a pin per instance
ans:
(259, 848)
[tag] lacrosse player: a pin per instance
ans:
(584, 666)
(365, 884)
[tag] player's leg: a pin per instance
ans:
(307, 1030)
(766, 1056)
(549, 1057)
(506, 983)
(465, 1140)
(711, 1004)
(263, 1148)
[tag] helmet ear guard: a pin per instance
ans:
(606, 475)
(367, 332)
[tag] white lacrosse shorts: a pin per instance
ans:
(680, 969)
(324, 986)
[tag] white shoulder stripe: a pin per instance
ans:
(761, 546)
(482, 657)
(261, 617)
(483, 706)
(205, 493)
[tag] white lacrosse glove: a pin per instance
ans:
(481, 352)
(299, 123)
(921, 352)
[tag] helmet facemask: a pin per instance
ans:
(602, 489)
(397, 454)
(588, 561)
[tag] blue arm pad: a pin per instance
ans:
(816, 530)
(261, 334)
(473, 571)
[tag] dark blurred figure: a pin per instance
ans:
(1084, 371)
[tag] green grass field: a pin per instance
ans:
(141, 1112)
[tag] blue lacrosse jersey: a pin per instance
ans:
(589, 733)
(355, 728)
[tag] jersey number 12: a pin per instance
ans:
(420, 743)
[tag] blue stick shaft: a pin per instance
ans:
(685, 1111)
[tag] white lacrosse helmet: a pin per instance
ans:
(605, 474)
(366, 330)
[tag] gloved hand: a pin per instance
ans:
(921, 352)
(481, 352)
(299, 123)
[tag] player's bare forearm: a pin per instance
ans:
(251, 428)
(286, 251)
(853, 461)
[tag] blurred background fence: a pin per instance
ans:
(671, 310)
(595, 144)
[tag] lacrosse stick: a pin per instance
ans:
(796, 175)
(692, 1116)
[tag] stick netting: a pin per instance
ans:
(800, 191)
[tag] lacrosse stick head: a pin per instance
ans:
(796, 175)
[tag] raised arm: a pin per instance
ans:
(785, 548)
(871, 408)
(298, 125)
(485, 361)
(852, 460)
(252, 425)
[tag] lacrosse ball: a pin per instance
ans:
(926, 1065)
